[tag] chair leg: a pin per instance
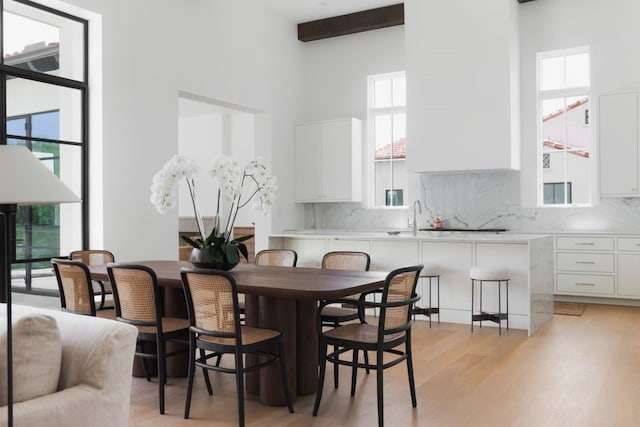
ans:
(283, 375)
(380, 386)
(205, 372)
(412, 384)
(323, 369)
(162, 372)
(354, 371)
(366, 361)
(240, 388)
(191, 374)
(335, 368)
(147, 374)
(102, 296)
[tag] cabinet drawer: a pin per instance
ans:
(585, 284)
(588, 262)
(629, 244)
(585, 243)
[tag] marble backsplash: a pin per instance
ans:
(480, 200)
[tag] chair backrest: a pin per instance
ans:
(277, 258)
(398, 297)
(93, 256)
(212, 302)
(74, 284)
(136, 294)
(346, 260)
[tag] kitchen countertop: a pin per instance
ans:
(408, 235)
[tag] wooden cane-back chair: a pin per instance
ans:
(138, 302)
(96, 257)
(393, 329)
(74, 284)
(212, 304)
(334, 315)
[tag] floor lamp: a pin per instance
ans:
(25, 180)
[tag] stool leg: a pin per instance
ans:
(481, 283)
(438, 286)
(430, 301)
(499, 309)
(473, 282)
(507, 288)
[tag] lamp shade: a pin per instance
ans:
(27, 181)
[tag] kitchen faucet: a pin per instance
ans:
(415, 221)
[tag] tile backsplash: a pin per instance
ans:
(477, 200)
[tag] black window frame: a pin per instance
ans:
(7, 72)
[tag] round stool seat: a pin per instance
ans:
(485, 272)
(430, 270)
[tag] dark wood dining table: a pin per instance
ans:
(280, 298)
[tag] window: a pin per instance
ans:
(43, 82)
(555, 194)
(387, 139)
(564, 147)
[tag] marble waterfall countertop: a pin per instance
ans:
(407, 234)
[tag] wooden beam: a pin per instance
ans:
(366, 20)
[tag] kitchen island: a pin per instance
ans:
(529, 258)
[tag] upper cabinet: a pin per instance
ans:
(462, 85)
(619, 145)
(329, 161)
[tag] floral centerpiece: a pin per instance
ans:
(240, 185)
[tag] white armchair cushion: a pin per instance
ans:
(37, 354)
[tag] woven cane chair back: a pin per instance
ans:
(74, 284)
(135, 295)
(214, 303)
(346, 260)
(277, 258)
(92, 257)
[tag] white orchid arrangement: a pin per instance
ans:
(239, 185)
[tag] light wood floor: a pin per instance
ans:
(576, 371)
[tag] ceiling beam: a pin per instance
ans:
(366, 20)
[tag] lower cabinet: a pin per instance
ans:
(600, 266)
(629, 267)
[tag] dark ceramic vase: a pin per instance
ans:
(204, 258)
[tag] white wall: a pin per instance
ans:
(219, 49)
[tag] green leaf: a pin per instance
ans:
(195, 243)
(231, 252)
(242, 238)
(242, 248)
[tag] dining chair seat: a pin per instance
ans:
(362, 333)
(333, 313)
(250, 335)
(169, 324)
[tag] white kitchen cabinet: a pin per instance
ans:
(388, 255)
(454, 260)
(629, 267)
(310, 251)
(585, 265)
(619, 161)
(328, 166)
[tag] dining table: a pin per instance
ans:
(279, 298)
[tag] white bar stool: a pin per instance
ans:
(430, 271)
(491, 274)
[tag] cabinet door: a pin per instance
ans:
(310, 251)
(336, 160)
(629, 275)
(308, 165)
(619, 144)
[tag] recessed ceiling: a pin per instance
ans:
(310, 10)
